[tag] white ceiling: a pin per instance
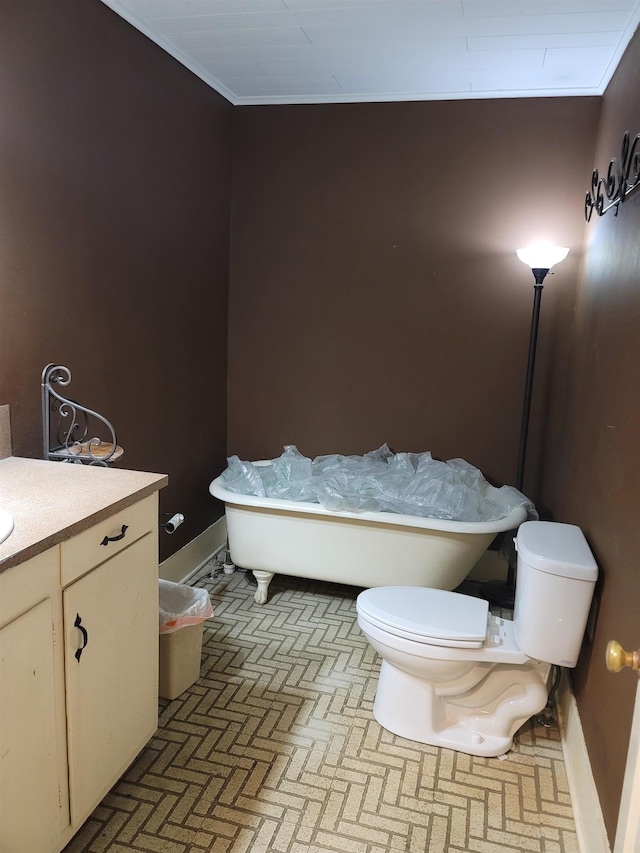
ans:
(326, 51)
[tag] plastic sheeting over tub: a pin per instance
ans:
(361, 546)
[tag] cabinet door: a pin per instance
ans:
(111, 654)
(31, 801)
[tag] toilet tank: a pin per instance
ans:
(556, 576)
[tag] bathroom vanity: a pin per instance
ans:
(78, 642)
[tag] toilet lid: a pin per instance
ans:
(433, 616)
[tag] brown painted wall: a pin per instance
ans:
(375, 291)
(375, 296)
(115, 176)
(592, 470)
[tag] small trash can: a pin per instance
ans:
(183, 610)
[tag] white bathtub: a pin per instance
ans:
(273, 536)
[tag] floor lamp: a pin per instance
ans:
(540, 257)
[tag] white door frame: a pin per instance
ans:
(628, 831)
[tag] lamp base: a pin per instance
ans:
(502, 593)
(499, 594)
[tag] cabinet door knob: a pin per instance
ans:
(108, 539)
(618, 658)
(85, 636)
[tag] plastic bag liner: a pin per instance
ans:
(182, 605)
(379, 481)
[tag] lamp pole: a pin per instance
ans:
(539, 274)
(540, 258)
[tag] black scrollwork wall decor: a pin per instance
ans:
(623, 176)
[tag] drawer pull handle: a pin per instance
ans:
(108, 539)
(85, 637)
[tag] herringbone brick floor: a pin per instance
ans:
(275, 749)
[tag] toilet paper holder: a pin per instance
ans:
(173, 523)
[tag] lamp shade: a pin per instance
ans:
(542, 255)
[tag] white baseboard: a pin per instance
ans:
(195, 554)
(590, 828)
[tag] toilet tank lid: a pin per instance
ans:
(555, 548)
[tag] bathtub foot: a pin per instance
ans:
(264, 579)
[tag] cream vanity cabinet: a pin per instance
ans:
(81, 701)
(34, 808)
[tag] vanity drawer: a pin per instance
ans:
(88, 549)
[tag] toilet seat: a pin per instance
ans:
(435, 617)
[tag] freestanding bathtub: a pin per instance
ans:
(365, 549)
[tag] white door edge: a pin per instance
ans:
(628, 830)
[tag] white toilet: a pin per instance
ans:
(453, 674)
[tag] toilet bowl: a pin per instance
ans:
(455, 675)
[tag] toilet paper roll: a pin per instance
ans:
(174, 522)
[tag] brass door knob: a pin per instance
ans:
(618, 658)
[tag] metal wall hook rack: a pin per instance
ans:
(623, 176)
(68, 440)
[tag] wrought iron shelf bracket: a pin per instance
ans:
(69, 441)
(623, 176)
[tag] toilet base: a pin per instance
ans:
(480, 719)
